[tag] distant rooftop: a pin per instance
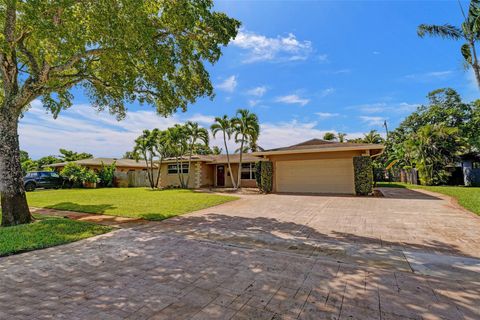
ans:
(319, 143)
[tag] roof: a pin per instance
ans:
(107, 161)
(220, 158)
(319, 145)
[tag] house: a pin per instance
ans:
(317, 166)
(313, 166)
(128, 173)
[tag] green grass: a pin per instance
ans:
(467, 197)
(127, 202)
(45, 232)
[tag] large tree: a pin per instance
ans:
(469, 32)
(117, 50)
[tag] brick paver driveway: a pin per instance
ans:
(409, 255)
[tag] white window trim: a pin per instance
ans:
(185, 167)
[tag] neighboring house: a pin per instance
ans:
(317, 166)
(128, 173)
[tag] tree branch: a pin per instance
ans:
(76, 58)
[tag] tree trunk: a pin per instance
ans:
(476, 70)
(239, 180)
(160, 160)
(228, 161)
(13, 199)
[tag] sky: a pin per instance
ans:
(304, 67)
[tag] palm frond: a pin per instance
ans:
(447, 31)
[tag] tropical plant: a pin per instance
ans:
(106, 174)
(117, 50)
(177, 144)
(224, 125)
(247, 130)
(78, 175)
(468, 32)
(162, 151)
(341, 137)
(145, 148)
(329, 136)
(434, 147)
(372, 137)
(68, 155)
(194, 134)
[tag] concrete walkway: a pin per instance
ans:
(410, 255)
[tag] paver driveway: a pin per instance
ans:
(410, 255)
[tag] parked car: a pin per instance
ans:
(43, 179)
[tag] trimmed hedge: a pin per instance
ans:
(363, 175)
(264, 176)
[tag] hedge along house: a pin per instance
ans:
(323, 167)
(209, 171)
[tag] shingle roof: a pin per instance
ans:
(319, 144)
(107, 161)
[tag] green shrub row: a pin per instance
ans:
(264, 176)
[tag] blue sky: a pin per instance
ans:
(305, 67)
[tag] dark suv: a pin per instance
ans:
(42, 179)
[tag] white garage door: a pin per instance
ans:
(315, 176)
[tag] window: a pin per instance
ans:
(248, 171)
(54, 175)
(172, 168)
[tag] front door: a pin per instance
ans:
(220, 176)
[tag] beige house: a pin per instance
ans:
(317, 166)
(313, 166)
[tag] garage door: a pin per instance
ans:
(315, 176)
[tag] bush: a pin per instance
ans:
(264, 176)
(363, 175)
(106, 175)
(78, 175)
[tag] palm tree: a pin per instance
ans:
(177, 145)
(194, 133)
(161, 148)
(469, 32)
(247, 130)
(144, 147)
(224, 125)
(329, 136)
(372, 137)
(341, 137)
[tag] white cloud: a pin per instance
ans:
(326, 115)
(373, 121)
(228, 84)
(398, 107)
(258, 91)
(253, 102)
(274, 135)
(430, 76)
(322, 57)
(262, 48)
(327, 92)
(376, 52)
(293, 99)
(81, 128)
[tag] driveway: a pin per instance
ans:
(409, 255)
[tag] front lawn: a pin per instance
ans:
(45, 232)
(467, 197)
(127, 202)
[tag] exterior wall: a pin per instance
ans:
(310, 156)
(169, 180)
(250, 183)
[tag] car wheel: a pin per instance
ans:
(30, 186)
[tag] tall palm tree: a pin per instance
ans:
(469, 32)
(144, 147)
(247, 130)
(224, 125)
(194, 134)
(372, 137)
(329, 136)
(162, 150)
(177, 143)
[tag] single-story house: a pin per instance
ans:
(317, 166)
(313, 166)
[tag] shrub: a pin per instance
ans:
(363, 175)
(106, 175)
(78, 175)
(264, 176)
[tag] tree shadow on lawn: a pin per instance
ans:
(88, 208)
